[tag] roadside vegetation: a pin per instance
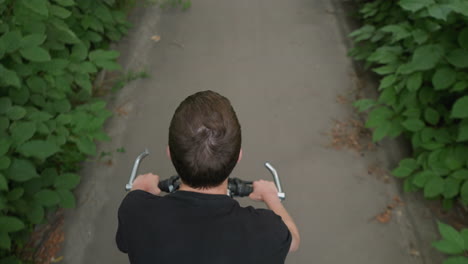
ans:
(419, 48)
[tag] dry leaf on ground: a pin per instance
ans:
(156, 38)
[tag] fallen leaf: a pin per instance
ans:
(156, 38)
(56, 260)
(414, 253)
(384, 217)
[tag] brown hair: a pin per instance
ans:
(204, 139)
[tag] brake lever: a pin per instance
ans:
(276, 178)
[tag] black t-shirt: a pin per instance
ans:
(188, 227)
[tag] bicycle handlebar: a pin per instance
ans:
(236, 186)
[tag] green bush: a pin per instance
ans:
(420, 49)
(50, 52)
(453, 243)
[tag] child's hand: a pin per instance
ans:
(264, 191)
(148, 183)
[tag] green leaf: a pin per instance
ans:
(439, 11)
(79, 52)
(86, 146)
(21, 170)
(456, 260)
(15, 194)
(387, 81)
(458, 58)
(443, 78)
(59, 11)
(451, 188)
(62, 106)
(447, 247)
(463, 38)
(426, 57)
(5, 144)
(103, 55)
(421, 178)
(4, 162)
(10, 224)
(405, 168)
(67, 181)
(65, 2)
(434, 187)
(37, 6)
(5, 241)
(66, 35)
(450, 234)
(414, 81)
(40, 149)
(413, 124)
(460, 86)
(67, 199)
(462, 132)
(415, 5)
(381, 131)
(11, 40)
(385, 55)
(459, 6)
(37, 84)
(420, 36)
(384, 70)
(35, 54)
(47, 197)
(464, 192)
(22, 131)
(460, 174)
(32, 40)
(9, 77)
(399, 32)
(460, 108)
(36, 214)
(3, 183)
(4, 123)
(431, 116)
(364, 104)
(363, 33)
(5, 104)
(464, 234)
(16, 112)
(377, 116)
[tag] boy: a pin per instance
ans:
(199, 223)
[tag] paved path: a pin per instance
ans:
(282, 64)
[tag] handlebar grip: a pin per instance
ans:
(239, 188)
(164, 185)
(169, 185)
(244, 190)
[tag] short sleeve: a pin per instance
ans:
(277, 236)
(127, 216)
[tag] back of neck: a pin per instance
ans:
(220, 189)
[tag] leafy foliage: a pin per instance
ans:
(420, 49)
(50, 51)
(453, 243)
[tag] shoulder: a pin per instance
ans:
(269, 228)
(264, 219)
(135, 200)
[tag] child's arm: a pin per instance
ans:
(266, 191)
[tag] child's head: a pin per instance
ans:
(204, 139)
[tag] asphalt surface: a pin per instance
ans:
(282, 64)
